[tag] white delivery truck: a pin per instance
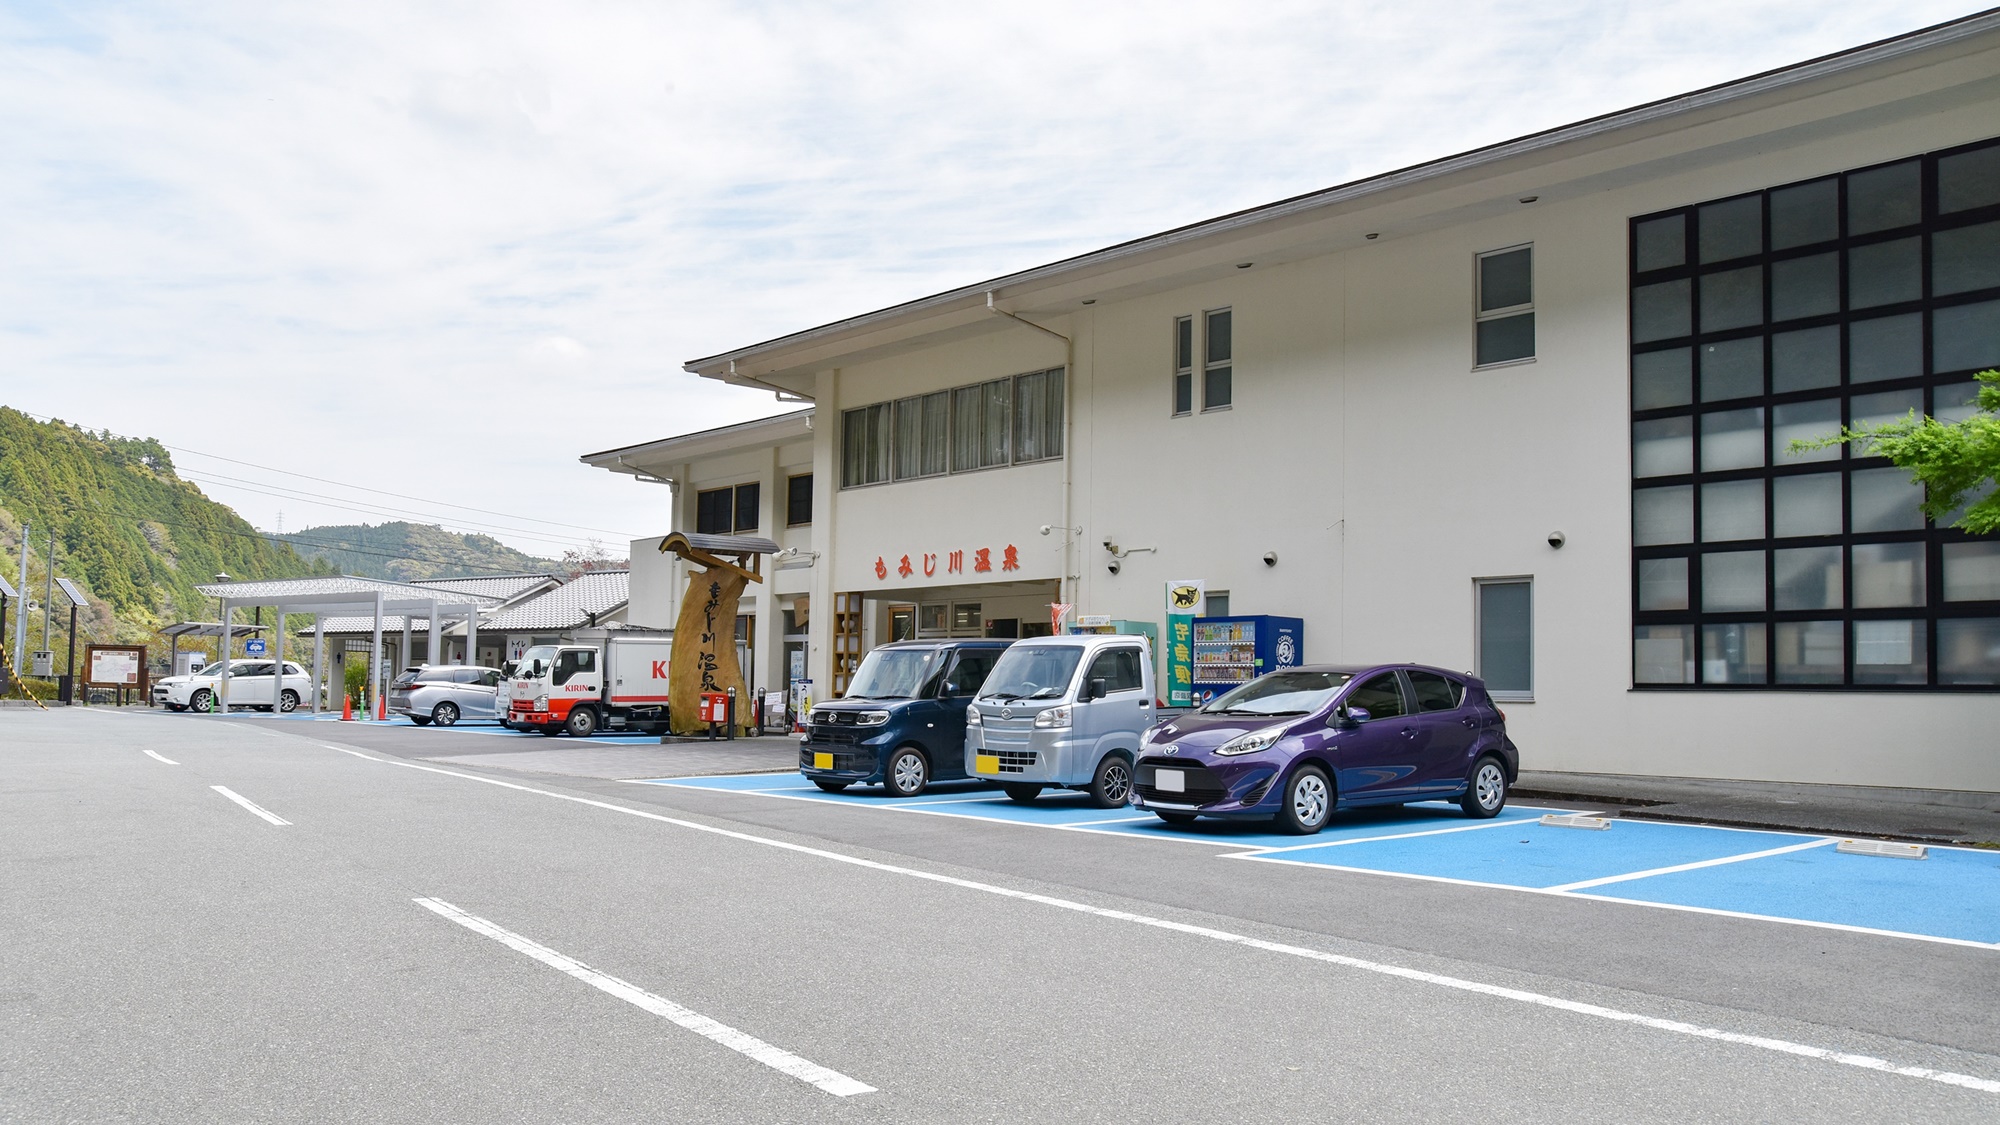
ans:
(620, 685)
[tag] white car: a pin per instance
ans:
(250, 685)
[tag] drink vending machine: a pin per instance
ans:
(1235, 650)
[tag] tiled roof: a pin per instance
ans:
(569, 605)
(506, 587)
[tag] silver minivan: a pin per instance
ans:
(445, 693)
(1063, 713)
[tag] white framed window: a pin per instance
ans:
(1504, 306)
(1218, 370)
(1504, 637)
(1183, 366)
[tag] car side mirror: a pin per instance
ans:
(949, 688)
(1349, 717)
(1094, 690)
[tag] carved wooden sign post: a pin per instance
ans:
(704, 654)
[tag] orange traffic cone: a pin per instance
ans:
(347, 708)
(381, 709)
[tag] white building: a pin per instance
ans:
(1524, 410)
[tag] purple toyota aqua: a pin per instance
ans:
(1297, 744)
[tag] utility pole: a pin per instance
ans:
(49, 591)
(21, 618)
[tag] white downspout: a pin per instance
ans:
(1066, 590)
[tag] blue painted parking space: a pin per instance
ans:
(1953, 895)
(1532, 855)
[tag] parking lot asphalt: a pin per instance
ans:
(1952, 894)
(250, 919)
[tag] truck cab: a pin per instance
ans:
(1063, 712)
(549, 682)
(902, 723)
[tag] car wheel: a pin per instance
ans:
(582, 722)
(907, 774)
(1485, 790)
(1177, 818)
(831, 786)
(288, 701)
(203, 701)
(1111, 785)
(420, 720)
(1021, 792)
(446, 714)
(1308, 802)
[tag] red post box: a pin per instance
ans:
(714, 707)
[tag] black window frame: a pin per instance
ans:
(799, 500)
(729, 510)
(995, 423)
(1713, 643)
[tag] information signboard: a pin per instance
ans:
(115, 666)
(253, 647)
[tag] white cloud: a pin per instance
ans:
(325, 220)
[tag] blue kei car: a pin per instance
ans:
(901, 724)
(1295, 745)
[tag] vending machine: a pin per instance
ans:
(1234, 650)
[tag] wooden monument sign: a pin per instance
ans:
(704, 654)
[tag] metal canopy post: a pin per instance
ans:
(431, 632)
(223, 686)
(278, 664)
(319, 659)
(403, 646)
(472, 635)
(375, 660)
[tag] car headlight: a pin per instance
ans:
(871, 718)
(541, 703)
(1155, 734)
(1252, 742)
(972, 718)
(1054, 718)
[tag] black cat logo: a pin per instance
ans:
(1184, 597)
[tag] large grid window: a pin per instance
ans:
(1782, 315)
(1504, 307)
(1009, 421)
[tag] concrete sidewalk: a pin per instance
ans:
(1924, 815)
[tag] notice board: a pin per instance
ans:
(115, 666)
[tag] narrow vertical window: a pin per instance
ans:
(1504, 325)
(1505, 656)
(799, 500)
(864, 445)
(747, 499)
(1183, 365)
(1216, 372)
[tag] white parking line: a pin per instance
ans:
(777, 1058)
(1396, 836)
(241, 800)
(1863, 1062)
(157, 758)
(1581, 884)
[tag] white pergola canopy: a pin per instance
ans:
(345, 596)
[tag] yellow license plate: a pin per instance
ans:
(822, 761)
(985, 763)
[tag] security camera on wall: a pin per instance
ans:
(1557, 539)
(1112, 566)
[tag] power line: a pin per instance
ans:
(284, 493)
(355, 487)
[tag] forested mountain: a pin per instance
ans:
(408, 551)
(137, 538)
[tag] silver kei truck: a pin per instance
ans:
(1063, 713)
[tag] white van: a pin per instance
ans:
(1063, 712)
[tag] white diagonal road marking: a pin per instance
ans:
(248, 804)
(777, 1058)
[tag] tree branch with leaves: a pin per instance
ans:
(1952, 460)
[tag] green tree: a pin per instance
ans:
(1952, 460)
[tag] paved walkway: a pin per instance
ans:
(1927, 815)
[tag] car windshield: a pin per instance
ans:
(1280, 693)
(892, 673)
(535, 662)
(407, 676)
(1031, 671)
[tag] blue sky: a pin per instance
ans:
(442, 249)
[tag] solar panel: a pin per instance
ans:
(7, 589)
(74, 595)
